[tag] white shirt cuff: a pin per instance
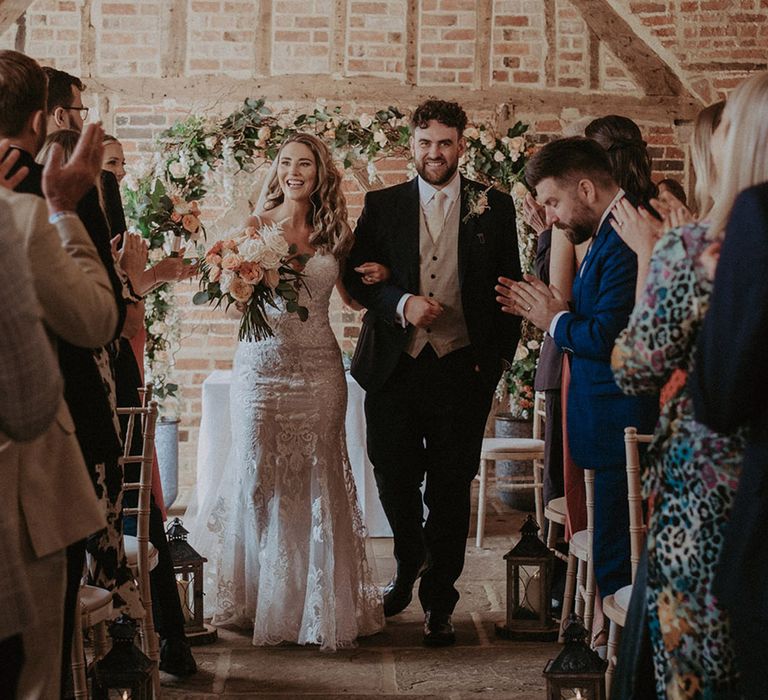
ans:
(400, 313)
(553, 323)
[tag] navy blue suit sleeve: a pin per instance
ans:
(384, 296)
(728, 384)
(593, 334)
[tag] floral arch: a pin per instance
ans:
(200, 154)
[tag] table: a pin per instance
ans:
(215, 438)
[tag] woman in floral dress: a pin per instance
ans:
(692, 472)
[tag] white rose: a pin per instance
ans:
(488, 139)
(365, 121)
(156, 255)
(533, 344)
(178, 170)
(516, 144)
(264, 133)
(380, 138)
(471, 132)
(210, 143)
(277, 244)
(499, 156)
(161, 356)
(158, 328)
(252, 249)
(270, 260)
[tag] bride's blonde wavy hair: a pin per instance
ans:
(328, 215)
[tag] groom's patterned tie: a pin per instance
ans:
(436, 214)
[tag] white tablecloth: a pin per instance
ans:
(215, 438)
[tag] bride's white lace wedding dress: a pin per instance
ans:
(282, 529)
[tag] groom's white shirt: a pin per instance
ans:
(427, 192)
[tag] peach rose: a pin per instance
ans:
(215, 274)
(229, 245)
(251, 272)
(175, 217)
(190, 222)
(240, 290)
(232, 262)
(213, 260)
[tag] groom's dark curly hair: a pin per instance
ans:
(448, 113)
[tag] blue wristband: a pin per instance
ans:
(60, 216)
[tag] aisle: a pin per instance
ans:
(392, 663)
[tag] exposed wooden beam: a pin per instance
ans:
(380, 91)
(483, 50)
(264, 39)
(174, 33)
(653, 75)
(10, 11)
(412, 42)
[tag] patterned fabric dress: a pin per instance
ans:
(691, 475)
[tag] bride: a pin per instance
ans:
(282, 530)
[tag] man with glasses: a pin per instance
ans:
(65, 101)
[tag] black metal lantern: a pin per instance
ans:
(125, 673)
(529, 572)
(578, 673)
(188, 567)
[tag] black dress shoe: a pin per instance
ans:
(176, 657)
(438, 630)
(397, 595)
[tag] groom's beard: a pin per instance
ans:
(436, 176)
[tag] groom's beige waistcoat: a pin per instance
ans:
(439, 280)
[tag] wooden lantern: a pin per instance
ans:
(529, 605)
(188, 567)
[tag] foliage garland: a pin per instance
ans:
(198, 154)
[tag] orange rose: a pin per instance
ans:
(240, 290)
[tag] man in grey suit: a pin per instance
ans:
(47, 494)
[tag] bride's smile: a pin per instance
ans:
(296, 171)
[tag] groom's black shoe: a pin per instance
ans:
(438, 630)
(397, 595)
(399, 592)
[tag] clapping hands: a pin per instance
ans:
(531, 299)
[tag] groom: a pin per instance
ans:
(430, 353)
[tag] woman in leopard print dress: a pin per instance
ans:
(691, 472)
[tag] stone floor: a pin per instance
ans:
(393, 662)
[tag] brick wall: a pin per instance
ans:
(150, 62)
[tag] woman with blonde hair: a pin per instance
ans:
(692, 472)
(282, 529)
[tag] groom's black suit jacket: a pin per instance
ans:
(388, 233)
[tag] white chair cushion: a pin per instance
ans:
(500, 448)
(555, 510)
(95, 605)
(132, 553)
(579, 545)
(615, 606)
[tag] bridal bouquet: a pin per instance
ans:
(253, 270)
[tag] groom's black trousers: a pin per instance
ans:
(429, 418)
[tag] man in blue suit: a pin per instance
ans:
(729, 391)
(572, 179)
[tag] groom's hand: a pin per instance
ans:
(421, 311)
